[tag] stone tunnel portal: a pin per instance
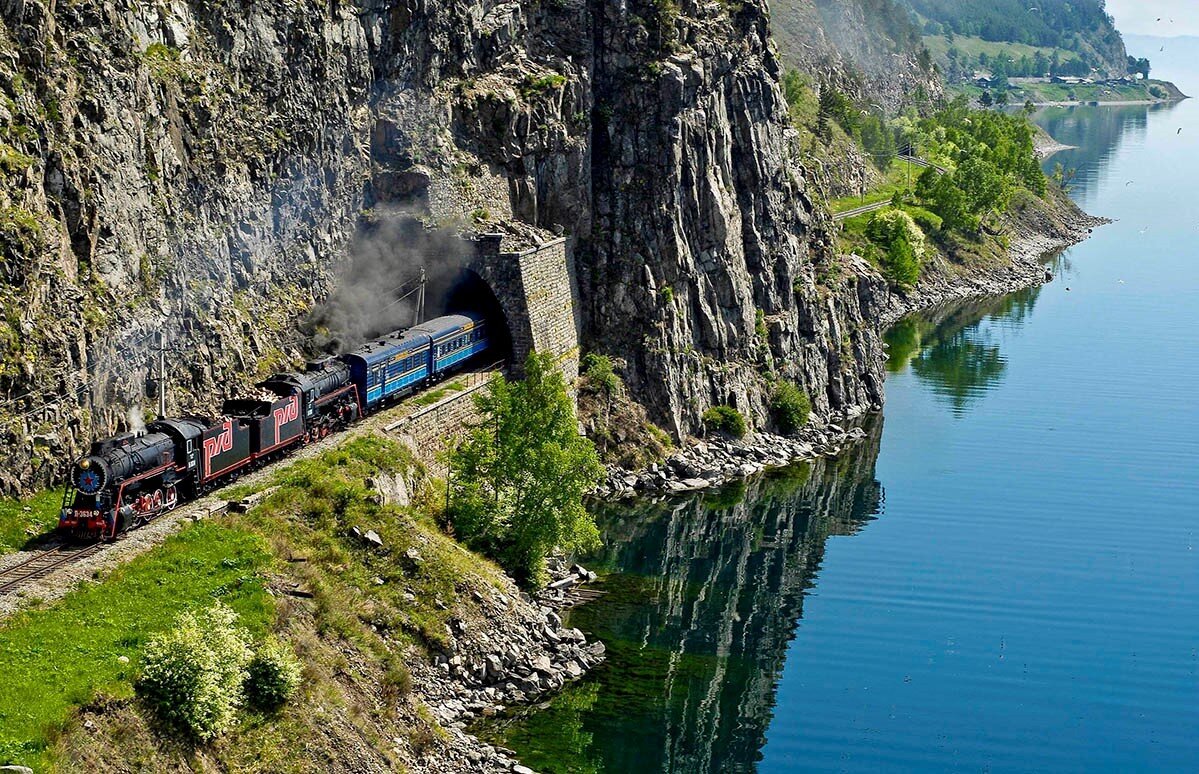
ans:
(468, 292)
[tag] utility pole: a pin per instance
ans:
(420, 298)
(162, 376)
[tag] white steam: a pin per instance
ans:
(136, 420)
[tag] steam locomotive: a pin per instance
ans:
(130, 479)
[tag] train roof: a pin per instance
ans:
(413, 338)
(183, 427)
(389, 346)
(442, 326)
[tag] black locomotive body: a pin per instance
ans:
(123, 481)
(129, 479)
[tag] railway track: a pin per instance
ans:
(865, 208)
(43, 563)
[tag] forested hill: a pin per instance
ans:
(1080, 27)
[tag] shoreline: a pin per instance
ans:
(710, 463)
(1107, 103)
(1045, 145)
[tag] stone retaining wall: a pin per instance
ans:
(431, 431)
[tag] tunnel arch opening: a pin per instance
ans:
(466, 291)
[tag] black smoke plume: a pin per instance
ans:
(375, 292)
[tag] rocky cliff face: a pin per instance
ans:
(198, 169)
(189, 169)
(869, 49)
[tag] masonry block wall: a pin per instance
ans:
(431, 432)
(536, 288)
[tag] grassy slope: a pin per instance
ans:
(938, 46)
(370, 609)
(54, 659)
(23, 520)
(900, 176)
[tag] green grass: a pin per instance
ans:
(432, 396)
(18, 525)
(61, 656)
(1091, 92)
(56, 658)
(1062, 92)
(938, 46)
(901, 176)
(320, 501)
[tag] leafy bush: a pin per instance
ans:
(534, 85)
(900, 263)
(273, 675)
(193, 674)
(519, 479)
(790, 406)
(597, 369)
(929, 222)
(725, 419)
(902, 244)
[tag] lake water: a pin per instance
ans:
(1004, 577)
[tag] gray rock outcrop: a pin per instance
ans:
(198, 169)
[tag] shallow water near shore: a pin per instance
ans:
(1004, 576)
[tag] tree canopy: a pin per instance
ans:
(518, 480)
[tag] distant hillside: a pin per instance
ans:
(1080, 27)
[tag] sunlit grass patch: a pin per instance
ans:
(59, 657)
(22, 520)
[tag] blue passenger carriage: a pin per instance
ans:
(389, 367)
(455, 339)
(405, 361)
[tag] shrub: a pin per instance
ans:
(598, 371)
(193, 674)
(725, 419)
(397, 680)
(519, 478)
(902, 244)
(273, 675)
(900, 264)
(534, 85)
(790, 406)
(929, 222)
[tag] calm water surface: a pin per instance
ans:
(1004, 577)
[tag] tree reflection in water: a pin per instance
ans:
(953, 349)
(703, 595)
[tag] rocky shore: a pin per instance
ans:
(716, 461)
(517, 653)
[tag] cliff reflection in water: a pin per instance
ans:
(703, 596)
(954, 348)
